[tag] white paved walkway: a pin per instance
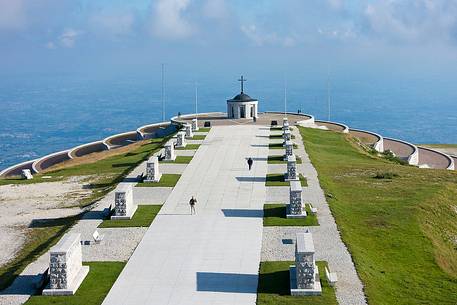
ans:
(212, 257)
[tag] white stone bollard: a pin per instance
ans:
(26, 174)
(152, 170)
(124, 208)
(291, 174)
(66, 271)
(295, 209)
(289, 146)
(189, 133)
(285, 124)
(181, 139)
(170, 152)
(195, 124)
(286, 135)
(304, 275)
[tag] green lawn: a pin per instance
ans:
(179, 159)
(400, 231)
(204, 129)
(279, 146)
(275, 215)
(278, 159)
(278, 180)
(93, 289)
(274, 286)
(189, 147)
(199, 137)
(279, 136)
(167, 180)
(143, 217)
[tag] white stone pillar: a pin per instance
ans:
(181, 139)
(66, 271)
(124, 208)
(304, 275)
(286, 135)
(285, 123)
(289, 146)
(189, 133)
(295, 209)
(291, 174)
(195, 124)
(152, 170)
(26, 174)
(170, 151)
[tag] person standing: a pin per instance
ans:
(250, 161)
(192, 203)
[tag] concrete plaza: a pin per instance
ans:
(211, 257)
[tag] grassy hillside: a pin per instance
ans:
(399, 222)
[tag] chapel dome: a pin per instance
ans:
(242, 97)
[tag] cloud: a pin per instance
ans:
(412, 21)
(50, 45)
(12, 15)
(68, 38)
(168, 20)
(113, 24)
(262, 38)
(216, 9)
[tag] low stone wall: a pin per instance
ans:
(86, 149)
(157, 130)
(369, 137)
(434, 159)
(50, 160)
(333, 126)
(16, 169)
(402, 150)
(121, 139)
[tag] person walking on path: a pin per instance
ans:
(192, 203)
(250, 163)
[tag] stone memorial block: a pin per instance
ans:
(189, 133)
(289, 146)
(304, 275)
(26, 174)
(124, 208)
(286, 135)
(295, 208)
(181, 139)
(66, 271)
(152, 170)
(291, 168)
(195, 124)
(170, 152)
(285, 124)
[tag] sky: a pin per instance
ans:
(212, 37)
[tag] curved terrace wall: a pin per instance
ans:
(50, 160)
(86, 149)
(434, 159)
(156, 130)
(368, 137)
(333, 126)
(402, 150)
(121, 139)
(16, 169)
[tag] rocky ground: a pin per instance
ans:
(22, 204)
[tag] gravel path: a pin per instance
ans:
(276, 244)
